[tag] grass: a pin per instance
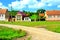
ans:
(29, 38)
(50, 25)
(9, 33)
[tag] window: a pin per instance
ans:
(26, 18)
(2, 15)
(58, 16)
(49, 16)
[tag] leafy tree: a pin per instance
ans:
(40, 12)
(34, 17)
(12, 13)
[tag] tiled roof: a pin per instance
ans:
(3, 11)
(22, 13)
(53, 12)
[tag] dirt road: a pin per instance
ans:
(36, 33)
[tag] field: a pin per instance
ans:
(50, 25)
(9, 33)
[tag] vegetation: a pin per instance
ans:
(50, 25)
(29, 38)
(9, 33)
(41, 13)
(34, 17)
(12, 13)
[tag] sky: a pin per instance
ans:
(30, 5)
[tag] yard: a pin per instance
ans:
(9, 33)
(49, 25)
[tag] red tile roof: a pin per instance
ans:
(53, 12)
(3, 11)
(21, 13)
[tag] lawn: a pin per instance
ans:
(50, 25)
(9, 33)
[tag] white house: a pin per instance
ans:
(3, 14)
(27, 19)
(18, 17)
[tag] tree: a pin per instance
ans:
(34, 17)
(12, 13)
(41, 13)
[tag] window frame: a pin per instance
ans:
(50, 16)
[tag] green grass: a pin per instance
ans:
(29, 38)
(50, 25)
(9, 33)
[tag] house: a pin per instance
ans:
(3, 14)
(27, 19)
(52, 15)
(21, 16)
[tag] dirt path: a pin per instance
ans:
(37, 33)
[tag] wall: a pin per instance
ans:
(54, 17)
(2, 17)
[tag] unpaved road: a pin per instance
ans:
(36, 33)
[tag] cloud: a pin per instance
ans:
(37, 5)
(23, 3)
(32, 4)
(2, 6)
(49, 4)
(0, 3)
(58, 6)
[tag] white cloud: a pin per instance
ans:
(16, 5)
(0, 3)
(33, 4)
(58, 6)
(37, 5)
(2, 6)
(49, 5)
(22, 4)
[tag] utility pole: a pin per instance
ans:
(11, 7)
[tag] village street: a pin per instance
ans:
(36, 33)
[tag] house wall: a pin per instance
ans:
(7, 16)
(27, 19)
(53, 17)
(20, 17)
(2, 16)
